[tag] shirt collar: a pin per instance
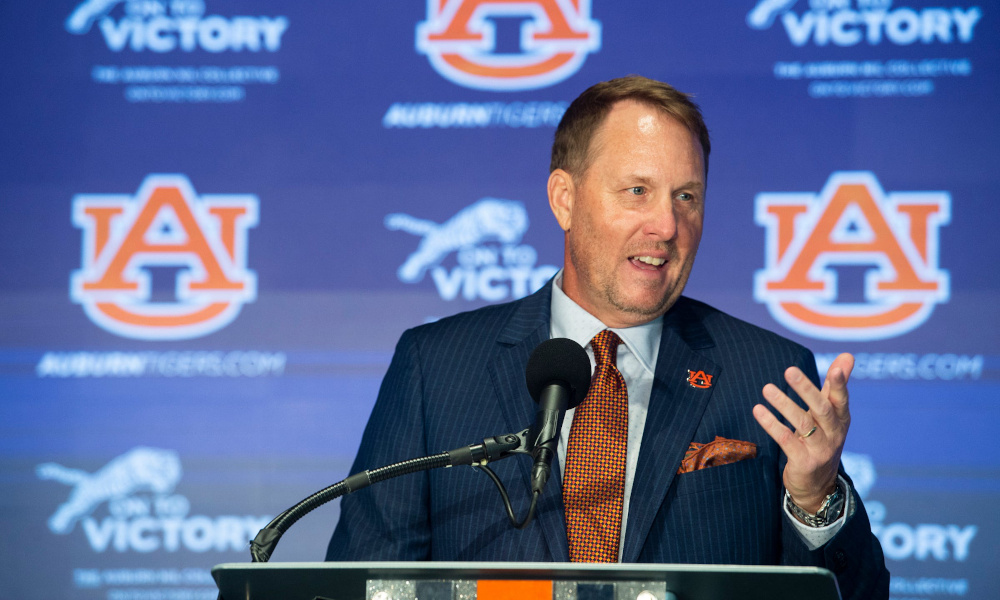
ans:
(570, 320)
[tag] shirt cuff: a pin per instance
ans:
(817, 537)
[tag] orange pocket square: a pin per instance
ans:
(719, 451)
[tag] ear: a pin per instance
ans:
(561, 195)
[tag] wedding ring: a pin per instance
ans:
(808, 433)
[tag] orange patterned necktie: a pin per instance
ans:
(594, 483)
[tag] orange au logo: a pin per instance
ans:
(699, 379)
(852, 222)
(165, 224)
(459, 38)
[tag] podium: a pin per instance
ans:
(520, 581)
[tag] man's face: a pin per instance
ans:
(633, 220)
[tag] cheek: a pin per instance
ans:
(690, 230)
(608, 228)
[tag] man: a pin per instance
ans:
(670, 458)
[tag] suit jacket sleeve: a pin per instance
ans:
(854, 555)
(389, 521)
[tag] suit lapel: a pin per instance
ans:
(676, 406)
(528, 327)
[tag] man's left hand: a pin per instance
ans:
(813, 448)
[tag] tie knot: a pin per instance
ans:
(605, 346)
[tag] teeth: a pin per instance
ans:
(649, 260)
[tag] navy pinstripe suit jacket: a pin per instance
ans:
(461, 379)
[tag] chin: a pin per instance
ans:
(646, 307)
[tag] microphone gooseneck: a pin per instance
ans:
(491, 449)
(558, 378)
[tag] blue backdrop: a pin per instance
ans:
(218, 217)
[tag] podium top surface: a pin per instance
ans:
(349, 580)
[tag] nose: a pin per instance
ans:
(661, 221)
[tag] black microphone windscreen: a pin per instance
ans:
(559, 360)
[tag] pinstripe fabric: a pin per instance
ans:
(459, 380)
(594, 488)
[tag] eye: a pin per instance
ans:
(685, 196)
(637, 190)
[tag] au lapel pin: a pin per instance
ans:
(699, 379)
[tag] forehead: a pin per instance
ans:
(633, 131)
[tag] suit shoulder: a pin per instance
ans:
(727, 330)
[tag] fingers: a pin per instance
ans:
(793, 413)
(820, 408)
(827, 407)
(835, 387)
(782, 435)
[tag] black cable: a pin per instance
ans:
(506, 500)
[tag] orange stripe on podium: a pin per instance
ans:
(500, 589)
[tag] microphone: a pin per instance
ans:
(558, 377)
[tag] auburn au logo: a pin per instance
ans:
(165, 224)
(459, 38)
(699, 379)
(852, 222)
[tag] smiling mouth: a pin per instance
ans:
(648, 262)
